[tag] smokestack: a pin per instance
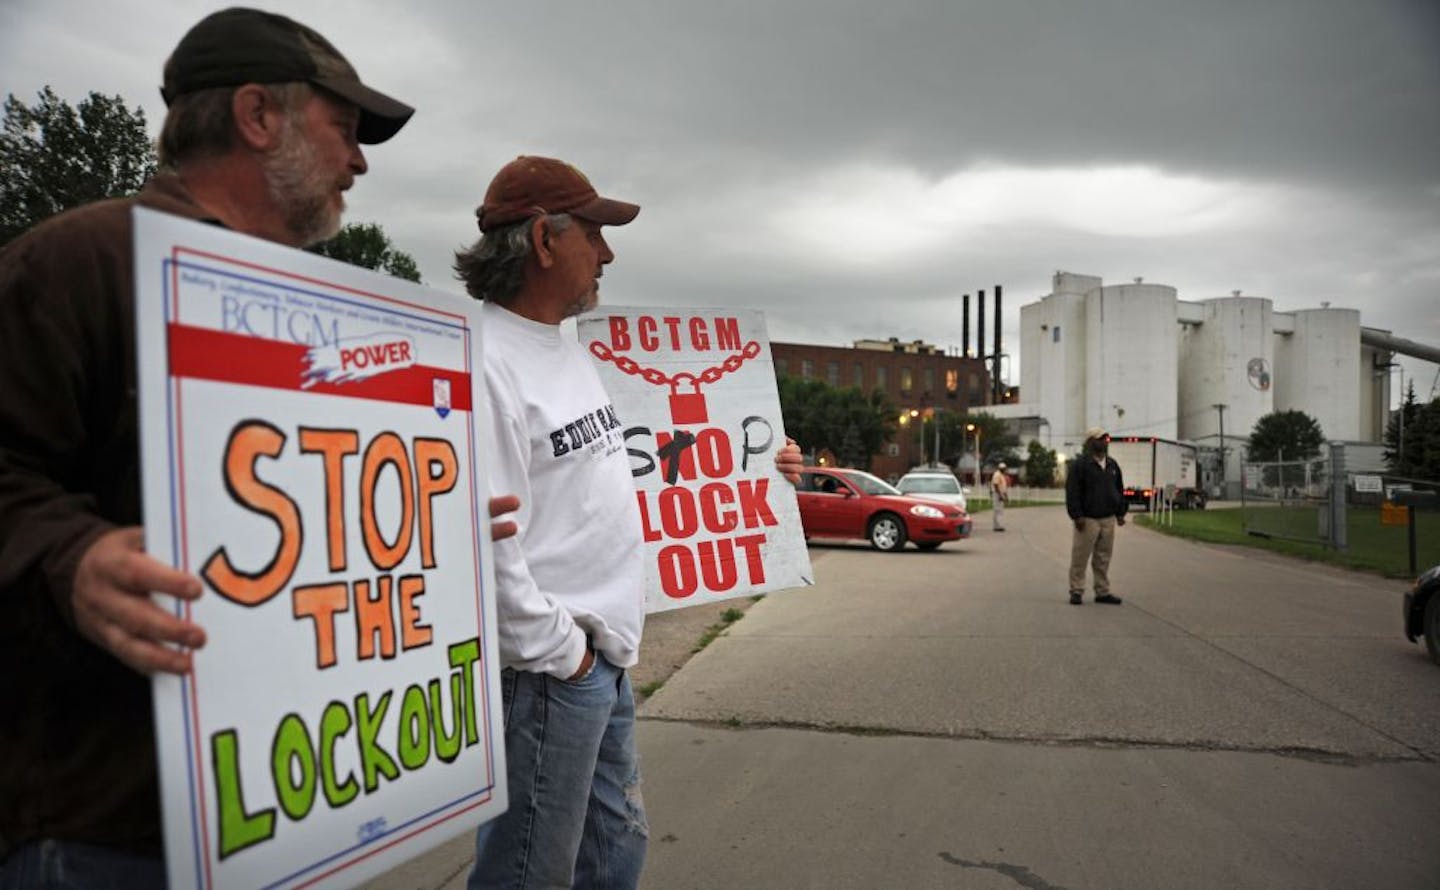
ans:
(965, 328)
(995, 377)
(980, 328)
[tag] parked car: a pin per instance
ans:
(1422, 611)
(935, 484)
(838, 503)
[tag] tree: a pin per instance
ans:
(1040, 465)
(849, 423)
(1403, 448)
(997, 442)
(54, 157)
(1287, 435)
(1420, 457)
(952, 439)
(1426, 434)
(366, 245)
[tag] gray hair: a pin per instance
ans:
(202, 124)
(493, 268)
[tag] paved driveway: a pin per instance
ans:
(947, 719)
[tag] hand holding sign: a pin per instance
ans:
(114, 611)
(790, 461)
(499, 506)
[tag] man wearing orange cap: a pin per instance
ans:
(262, 136)
(570, 586)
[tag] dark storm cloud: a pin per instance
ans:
(1344, 91)
(854, 167)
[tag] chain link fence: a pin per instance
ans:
(1375, 517)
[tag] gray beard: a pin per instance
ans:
(294, 177)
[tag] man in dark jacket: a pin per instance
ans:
(1095, 500)
(262, 136)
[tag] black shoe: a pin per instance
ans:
(1108, 599)
(1076, 598)
(999, 529)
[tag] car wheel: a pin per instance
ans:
(1432, 627)
(887, 532)
(927, 545)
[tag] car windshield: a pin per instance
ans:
(930, 485)
(869, 484)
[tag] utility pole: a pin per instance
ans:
(935, 419)
(1221, 408)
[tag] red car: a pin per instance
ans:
(836, 503)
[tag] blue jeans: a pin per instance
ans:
(65, 865)
(576, 818)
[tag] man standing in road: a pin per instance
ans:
(1095, 500)
(570, 586)
(262, 136)
(999, 495)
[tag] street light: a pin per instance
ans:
(919, 435)
(970, 427)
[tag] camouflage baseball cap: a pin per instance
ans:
(238, 46)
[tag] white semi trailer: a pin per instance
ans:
(1159, 471)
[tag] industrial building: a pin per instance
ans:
(1139, 361)
(915, 375)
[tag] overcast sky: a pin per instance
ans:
(852, 168)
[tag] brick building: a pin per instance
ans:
(914, 375)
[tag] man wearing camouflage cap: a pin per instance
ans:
(1095, 500)
(262, 135)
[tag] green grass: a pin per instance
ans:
(980, 505)
(1373, 547)
(727, 618)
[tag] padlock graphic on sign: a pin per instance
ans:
(687, 407)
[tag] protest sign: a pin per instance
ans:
(309, 451)
(695, 390)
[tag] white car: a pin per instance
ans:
(936, 484)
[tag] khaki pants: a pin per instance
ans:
(997, 499)
(1095, 543)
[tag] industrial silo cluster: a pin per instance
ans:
(1139, 361)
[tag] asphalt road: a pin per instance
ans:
(947, 719)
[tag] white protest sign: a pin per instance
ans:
(695, 390)
(309, 450)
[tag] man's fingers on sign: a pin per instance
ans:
(506, 503)
(789, 460)
(113, 608)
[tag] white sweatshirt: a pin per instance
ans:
(576, 568)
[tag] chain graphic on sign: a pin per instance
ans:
(685, 407)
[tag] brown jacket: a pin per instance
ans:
(77, 758)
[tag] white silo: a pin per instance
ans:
(1317, 368)
(1052, 377)
(1053, 374)
(1227, 359)
(1131, 359)
(1062, 386)
(1032, 318)
(1376, 368)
